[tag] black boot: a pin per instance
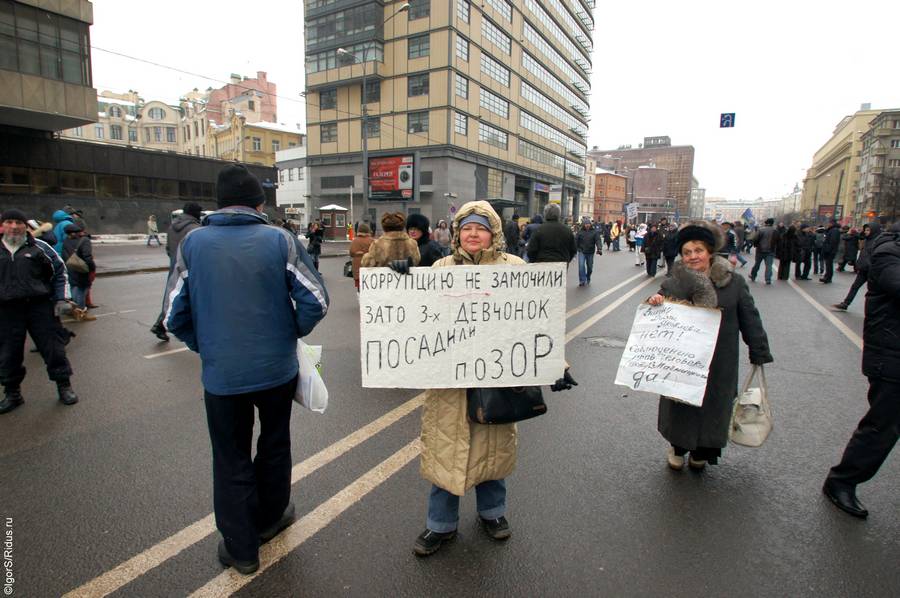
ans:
(12, 398)
(160, 331)
(67, 396)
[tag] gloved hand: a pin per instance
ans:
(599, 252)
(401, 266)
(60, 308)
(564, 383)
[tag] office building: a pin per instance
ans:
(463, 100)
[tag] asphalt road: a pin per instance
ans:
(593, 507)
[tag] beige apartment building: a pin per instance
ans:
(878, 189)
(125, 119)
(488, 100)
(250, 142)
(830, 186)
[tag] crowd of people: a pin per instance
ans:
(277, 293)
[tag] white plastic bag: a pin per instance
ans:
(751, 420)
(311, 391)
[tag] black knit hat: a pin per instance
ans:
(194, 209)
(418, 221)
(238, 187)
(693, 232)
(13, 214)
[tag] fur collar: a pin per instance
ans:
(721, 272)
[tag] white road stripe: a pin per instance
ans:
(602, 296)
(606, 311)
(303, 529)
(854, 338)
(229, 581)
(127, 311)
(164, 353)
(154, 556)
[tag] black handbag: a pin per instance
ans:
(504, 405)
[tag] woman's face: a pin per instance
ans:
(442, 225)
(474, 237)
(414, 233)
(695, 256)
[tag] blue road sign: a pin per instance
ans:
(726, 120)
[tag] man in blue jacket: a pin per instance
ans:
(241, 294)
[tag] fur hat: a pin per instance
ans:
(419, 221)
(237, 186)
(392, 221)
(13, 214)
(363, 229)
(701, 230)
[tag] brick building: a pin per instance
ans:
(267, 110)
(609, 196)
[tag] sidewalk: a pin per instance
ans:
(116, 255)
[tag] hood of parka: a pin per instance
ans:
(498, 246)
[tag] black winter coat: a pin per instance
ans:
(707, 426)
(181, 226)
(589, 240)
(82, 247)
(881, 329)
(786, 249)
(851, 247)
(653, 245)
(429, 251)
(805, 241)
(862, 260)
(553, 241)
(832, 241)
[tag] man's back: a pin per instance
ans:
(552, 242)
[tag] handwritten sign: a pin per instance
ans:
(669, 351)
(462, 326)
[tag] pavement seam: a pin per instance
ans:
(843, 328)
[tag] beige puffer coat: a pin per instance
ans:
(457, 454)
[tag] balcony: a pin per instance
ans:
(350, 74)
(585, 42)
(585, 19)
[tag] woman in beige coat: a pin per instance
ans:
(458, 455)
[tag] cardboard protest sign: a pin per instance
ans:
(462, 326)
(669, 351)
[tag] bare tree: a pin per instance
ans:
(889, 202)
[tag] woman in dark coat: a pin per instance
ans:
(418, 228)
(315, 235)
(80, 245)
(707, 280)
(785, 249)
(653, 246)
(850, 239)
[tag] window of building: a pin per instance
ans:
(328, 99)
(417, 85)
(251, 105)
(78, 132)
(115, 132)
(462, 86)
(462, 48)
(299, 174)
(276, 145)
(132, 135)
(462, 10)
(187, 132)
(156, 113)
(38, 42)
(373, 92)
(460, 123)
(336, 182)
(157, 134)
(426, 177)
(343, 24)
(495, 183)
(895, 143)
(170, 135)
(494, 103)
(373, 127)
(494, 69)
(419, 9)
(290, 174)
(417, 122)
(256, 144)
(115, 111)
(291, 144)
(328, 133)
(492, 135)
(493, 34)
(281, 176)
(98, 131)
(419, 46)
(503, 8)
(329, 59)
(894, 163)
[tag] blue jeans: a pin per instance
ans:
(616, 244)
(769, 258)
(79, 296)
(738, 255)
(585, 267)
(443, 507)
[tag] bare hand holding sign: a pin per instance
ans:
(462, 327)
(669, 351)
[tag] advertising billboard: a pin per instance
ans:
(391, 178)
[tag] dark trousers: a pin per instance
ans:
(828, 260)
(874, 437)
(858, 282)
(818, 267)
(784, 269)
(250, 495)
(652, 264)
(670, 261)
(766, 257)
(34, 316)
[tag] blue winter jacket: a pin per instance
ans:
(241, 294)
(61, 220)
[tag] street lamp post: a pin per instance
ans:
(364, 111)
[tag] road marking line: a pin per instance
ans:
(164, 353)
(127, 311)
(606, 311)
(303, 529)
(154, 556)
(854, 338)
(112, 313)
(601, 296)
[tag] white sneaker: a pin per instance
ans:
(676, 462)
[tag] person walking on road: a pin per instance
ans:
(552, 241)
(766, 241)
(182, 224)
(511, 233)
(785, 250)
(442, 235)
(79, 282)
(878, 431)
(358, 248)
(830, 249)
(850, 242)
(870, 232)
(653, 245)
(458, 455)
(639, 244)
(805, 240)
(240, 295)
(708, 280)
(670, 247)
(152, 231)
(588, 240)
(818, 244)
(418, 228)
(315, 236)
(33, 295)
(732, 244)
(394, 245)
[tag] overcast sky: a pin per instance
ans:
(790, 69)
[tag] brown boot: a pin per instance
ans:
(82, 315)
